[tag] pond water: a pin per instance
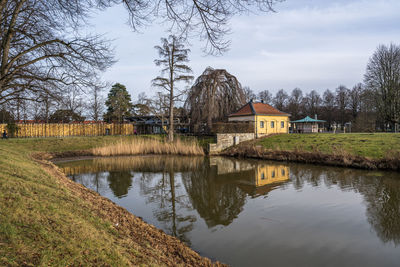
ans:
(257, 213)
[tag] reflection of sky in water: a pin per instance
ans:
(257, 213)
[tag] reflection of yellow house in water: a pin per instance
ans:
(254, 177)
(266, 178)
(269, 174)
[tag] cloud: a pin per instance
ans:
(306, 44)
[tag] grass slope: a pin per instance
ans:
(43, 222)
(370, 145)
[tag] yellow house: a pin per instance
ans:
(267, 119)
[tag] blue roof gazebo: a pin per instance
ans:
(306, 125)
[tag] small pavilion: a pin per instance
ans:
(307, 125)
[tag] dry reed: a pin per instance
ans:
(157, 163)
(140, 146)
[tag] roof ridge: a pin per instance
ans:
(252, 108)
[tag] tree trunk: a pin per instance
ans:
(209, 113)
(172, 184)
(171, 118)
(171, 108)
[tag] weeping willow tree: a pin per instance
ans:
(215, 94)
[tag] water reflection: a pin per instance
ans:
(165, 192)
(217, 200)
(182, 194)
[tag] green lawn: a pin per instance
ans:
(372, 145)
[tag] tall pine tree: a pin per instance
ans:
(173, 56)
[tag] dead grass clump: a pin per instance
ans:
(392, 155)
(149, 146)
(340, 151)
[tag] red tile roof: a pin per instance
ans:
(252, 108)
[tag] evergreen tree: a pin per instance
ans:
(118, 104)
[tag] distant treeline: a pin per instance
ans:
(338, 106)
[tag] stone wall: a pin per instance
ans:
(230, 165)
(226, 140)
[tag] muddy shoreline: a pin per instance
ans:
(132, 230)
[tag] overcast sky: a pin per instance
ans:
(308, 44)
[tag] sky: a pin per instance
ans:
(309, 44)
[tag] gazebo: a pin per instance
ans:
(307, 125)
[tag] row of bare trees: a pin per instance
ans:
(217, 93)
(335, 106)
(45, 58)
(46, 55)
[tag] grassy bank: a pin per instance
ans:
(371, 145)
(360, 150)
(46, 219)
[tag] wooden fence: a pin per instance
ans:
(70, 129)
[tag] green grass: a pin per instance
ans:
(42, 223)
(371, 145)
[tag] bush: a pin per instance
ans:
(12, 129)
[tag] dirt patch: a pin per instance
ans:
(152, 244)
(339, 158)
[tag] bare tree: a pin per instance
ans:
(249, 94)
(342, 103)
(295, 100)
(312, 102)
(355, 100)
(72, 100)
(214, 95)
(367, 117)
(280, 100)
(328, 100)
(265, 96)
(42, 51)
(96, 103)
(383, 77)
(207, 19)
(173, 56)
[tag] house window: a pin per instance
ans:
(272, 124)
(261, 124)
(262, 176)
(282, 124)
(283, 172)
(273, 174)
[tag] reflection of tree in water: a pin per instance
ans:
(217, 203)
(383, 208)
(381, 194)
(120, 182)
(164, 190)
(95, 181)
